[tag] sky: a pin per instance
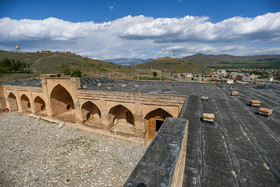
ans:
(105, 29)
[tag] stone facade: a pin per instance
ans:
(127, 114)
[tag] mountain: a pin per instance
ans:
(52, 62)
(174, 65)
(128, 61)
(229, 60)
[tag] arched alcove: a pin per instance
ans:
(25, 102)
(13, 102)
(61, 100)
(155, 119)
(39, 104)
(90, 111)
(121, 119)
(120, 114)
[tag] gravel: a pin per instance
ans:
(34, 152)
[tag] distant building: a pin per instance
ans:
(228, 81)
(46, 51)
(221, 72)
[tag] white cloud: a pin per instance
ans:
(145, 37)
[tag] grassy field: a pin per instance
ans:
(263, 64)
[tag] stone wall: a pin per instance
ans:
(164, 161)
(58, 95)
(140, 104)
(20, 92)
(2, 99)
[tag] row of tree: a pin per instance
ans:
(7, 65)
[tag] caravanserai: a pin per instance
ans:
(239, 148)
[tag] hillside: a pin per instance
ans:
(261, 61)
(52, 62)
(174, 65)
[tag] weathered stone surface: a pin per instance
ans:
(156, 168)
(237, 149)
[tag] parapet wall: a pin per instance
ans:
(164, 161)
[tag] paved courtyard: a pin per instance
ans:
(35, 152)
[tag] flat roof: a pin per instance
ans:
(28, 82)
(241, 147)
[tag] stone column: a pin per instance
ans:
(31, 101)
(139, 119)
(75, 84)
(104, 112)
(20, 108)
(46, 96)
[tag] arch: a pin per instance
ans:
(120, 114)
(155, 120)
(13, 102)
(60, 100)
(90, 111)
(25, 102)
(39, 104)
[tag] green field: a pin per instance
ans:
(262, 64)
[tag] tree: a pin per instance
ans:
(66, 71)
(76, 73)
(155, 74)
(6, 62)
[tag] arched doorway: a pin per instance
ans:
(90, 112)
(121, 119)
(39, 104)
(13, 102)
(155, 120)
(62, 104)
(25, 102)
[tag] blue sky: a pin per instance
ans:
(141, 28)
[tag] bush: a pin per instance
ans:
(76, 73)
(66, 71)
(7, 65)
(154, 74)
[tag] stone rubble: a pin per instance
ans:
(60, 125)
(34, 152)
